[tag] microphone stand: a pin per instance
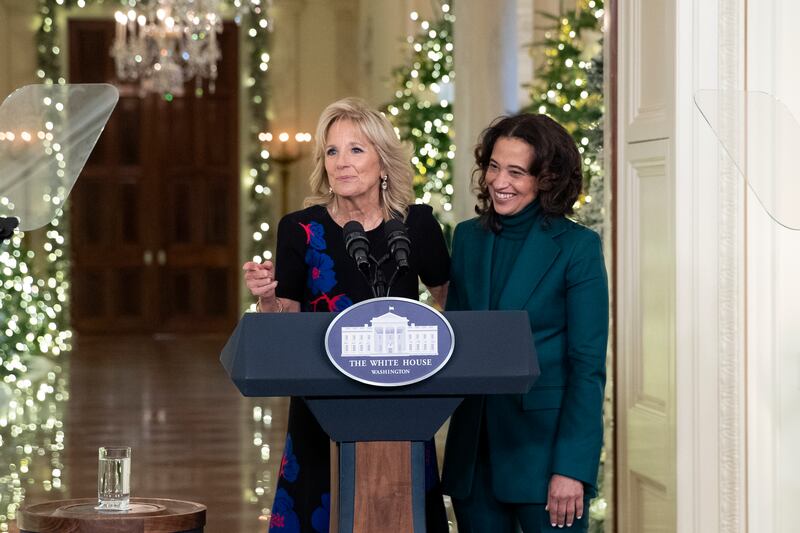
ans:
(356, 244)
(378, 281)
(397, 273)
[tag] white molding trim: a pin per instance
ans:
(711, 357)
(642, 50)
(732, 355)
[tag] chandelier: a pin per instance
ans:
(165, 43)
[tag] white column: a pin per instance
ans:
(525, 22)
(485, 86)
(382, 47)
(315, 62)
(287, 99)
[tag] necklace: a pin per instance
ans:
(369, 222)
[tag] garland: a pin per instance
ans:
(34, 304)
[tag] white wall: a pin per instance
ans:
(773, 285)
(738, 359)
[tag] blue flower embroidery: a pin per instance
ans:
(315, 235)
(289, 466)
(321, 277)
(341, 302)
(321, 517)
(283, 517)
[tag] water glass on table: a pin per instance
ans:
(113, 478)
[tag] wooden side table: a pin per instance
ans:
(146, 515)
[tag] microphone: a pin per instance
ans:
(357, 244)
(399, 243)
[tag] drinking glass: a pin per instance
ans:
(113, 478)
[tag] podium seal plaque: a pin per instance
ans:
(389, 342)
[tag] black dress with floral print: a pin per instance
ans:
(313, 268)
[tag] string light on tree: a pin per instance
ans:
(32, 390)
(422, 111)
(569, 88)
(34, 305)
(254, 16)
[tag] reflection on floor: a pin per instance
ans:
(193, 436)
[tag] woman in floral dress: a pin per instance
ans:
(361, 173)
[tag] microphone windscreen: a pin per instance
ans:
(394, 225)
(356, 243)
(354, 226)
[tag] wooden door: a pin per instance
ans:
(154, 215)
(197, 154)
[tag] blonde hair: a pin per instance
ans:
(394, 158)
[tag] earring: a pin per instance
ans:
(384, 182)
(330, 190)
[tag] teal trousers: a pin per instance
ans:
(481, 512)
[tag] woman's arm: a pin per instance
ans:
(579, 440)
(429, 252)
(439, 294)
(278, 288)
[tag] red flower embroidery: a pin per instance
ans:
(340, 302)
(283, 465)
(315, 235)
(307, 228)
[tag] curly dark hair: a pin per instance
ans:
(556, 164)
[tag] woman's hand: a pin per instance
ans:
(261, 282)
(564, 500)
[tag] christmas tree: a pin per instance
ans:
(569, 88)
(422, 112)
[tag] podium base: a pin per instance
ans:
(381, 487)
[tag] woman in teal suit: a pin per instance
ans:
(531, 460)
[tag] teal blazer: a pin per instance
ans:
(559, 277)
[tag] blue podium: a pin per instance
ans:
(378, 480)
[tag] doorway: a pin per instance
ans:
(154, 217)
